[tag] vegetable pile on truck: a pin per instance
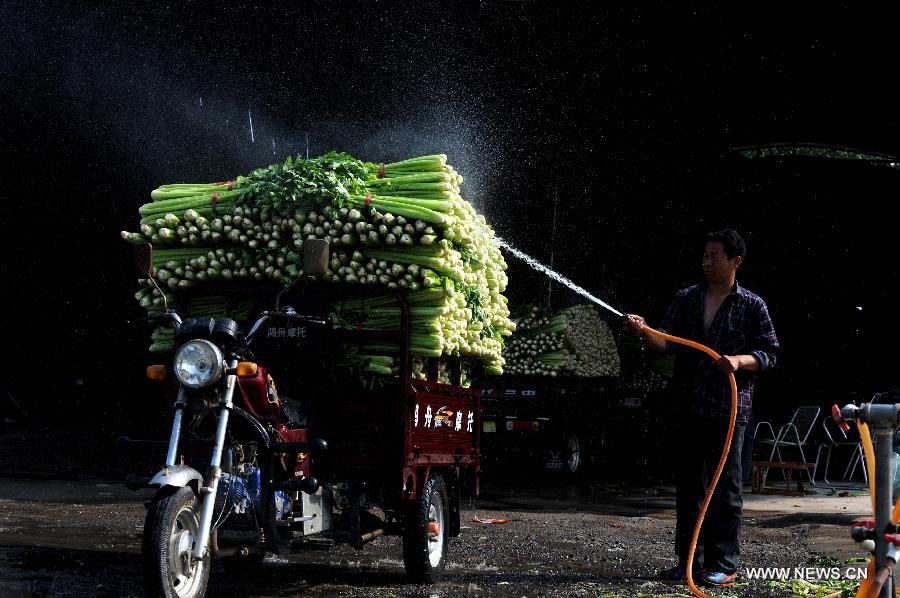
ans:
(564, 383)
(319, 322)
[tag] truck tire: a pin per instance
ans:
(573, 463)
(426, 534)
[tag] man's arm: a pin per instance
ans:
(764, 344)
(732, 363)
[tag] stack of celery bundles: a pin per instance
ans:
(403, 226)
(572, 342)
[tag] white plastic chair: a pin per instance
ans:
(792, 435)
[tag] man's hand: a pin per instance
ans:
(635, 324)
(728, 364)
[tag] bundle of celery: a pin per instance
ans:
(403, 226)
(434, 314)
(573, 342)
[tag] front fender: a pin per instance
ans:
(177, 476)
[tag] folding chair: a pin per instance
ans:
(792, 435)
(837, 438)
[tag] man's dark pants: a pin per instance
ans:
(718, 547)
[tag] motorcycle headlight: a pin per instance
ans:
(199, 364)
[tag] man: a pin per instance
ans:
(735, 323)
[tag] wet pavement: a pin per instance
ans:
(81, 537)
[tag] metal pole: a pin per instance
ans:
(884, 435)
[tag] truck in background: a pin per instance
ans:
(575, 425)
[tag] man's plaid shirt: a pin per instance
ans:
(741, 326)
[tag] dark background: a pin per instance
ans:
(627, 116)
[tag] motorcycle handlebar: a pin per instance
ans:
(175, 319)
(171, 316)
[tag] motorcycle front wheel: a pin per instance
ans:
(173, 520)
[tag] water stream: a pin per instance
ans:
(556, 276)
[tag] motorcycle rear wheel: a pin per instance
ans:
(170, 530)
(426, 534)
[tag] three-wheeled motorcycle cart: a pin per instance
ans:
(274, 450)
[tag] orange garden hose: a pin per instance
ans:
(712, 487)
